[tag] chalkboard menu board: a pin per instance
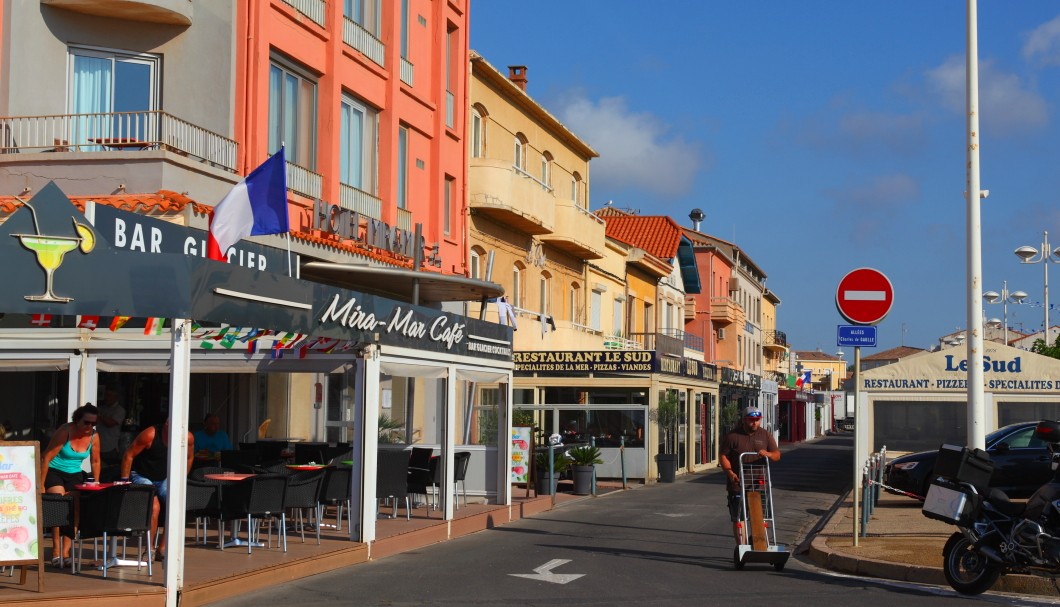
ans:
(20, 507)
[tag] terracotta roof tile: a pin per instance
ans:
(656, 234)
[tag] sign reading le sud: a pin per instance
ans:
(56, 262)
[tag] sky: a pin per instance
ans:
(819, 136)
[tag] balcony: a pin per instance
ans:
(775, 340)
(301, 180)
(115, 132)
(506, 196)
(662, 343)
(359, 201)
(314, 9)
(725, 311)
(578, 232)
(361, 39)
(173, 12)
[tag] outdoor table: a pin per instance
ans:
(305, 467)
(232, 477)
(112, 561)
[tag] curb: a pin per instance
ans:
(822, 555)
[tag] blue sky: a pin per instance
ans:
(820, 136)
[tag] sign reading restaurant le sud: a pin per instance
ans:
(57, 263)
(610, 361)
(1005, 369)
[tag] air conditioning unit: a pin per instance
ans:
(721, 333)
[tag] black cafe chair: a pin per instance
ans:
(234, 460)
(256, 498)
(336, 491)
(303, 493)
(121, 510)
(420, 473)
(391, 478)
(60, 511)
(305, 453)
(201, 504)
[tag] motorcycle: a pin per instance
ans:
(997, 536)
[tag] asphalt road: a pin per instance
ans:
(660, 545)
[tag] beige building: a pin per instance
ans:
(827, 371)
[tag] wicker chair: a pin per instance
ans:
(202, 504)
(122, 510)
(420, 473)
(60, 511)
(303, 493)
(256, 498)
(391, 478)
(336, 491)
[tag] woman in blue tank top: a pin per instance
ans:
(61, 467)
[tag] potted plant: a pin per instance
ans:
(560, 463)
(583, 462)
(667, 415)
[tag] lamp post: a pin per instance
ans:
(1004, 297)
(1045, 256)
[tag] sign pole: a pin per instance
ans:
(857, 443)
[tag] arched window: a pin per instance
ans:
(545, 300)
(478, 131)
(517, 284)
(546, 170)
(575, 304)
(576, 188)
(474, 262)
(519, 158)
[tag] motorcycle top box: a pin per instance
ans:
(972, 466)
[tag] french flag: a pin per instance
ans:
(255, 206)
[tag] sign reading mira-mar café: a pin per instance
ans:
(1005, 369)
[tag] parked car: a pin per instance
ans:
(1021, 464)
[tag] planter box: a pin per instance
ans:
(667, 467)
(583, 479)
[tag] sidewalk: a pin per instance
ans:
(901, 544)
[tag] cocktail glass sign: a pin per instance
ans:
(50, 250)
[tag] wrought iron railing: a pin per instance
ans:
(778, 338)
(360, 201)
(361, 39)
(115, 131)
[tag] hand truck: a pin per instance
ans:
(756, 516)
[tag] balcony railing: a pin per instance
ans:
(618, 342)
(303, 181)
(776, 338)
(362, 40)
(407, 71)
(359, 201)
(404, 219)
(115, 131)
(314, 9)
(693, 342)
(662, 343)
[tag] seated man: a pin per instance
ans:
(144, 463)
(211, 440)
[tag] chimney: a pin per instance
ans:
(696, 216)
(517, 74)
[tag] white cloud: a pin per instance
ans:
(636, 149)
(1006, 105)
(1043, 43)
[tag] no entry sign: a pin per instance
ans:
(864, 296)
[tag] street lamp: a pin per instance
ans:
(1004, 297)
(1046, 256)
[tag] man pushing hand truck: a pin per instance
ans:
(746, 453)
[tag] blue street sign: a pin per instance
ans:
(855, 335)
